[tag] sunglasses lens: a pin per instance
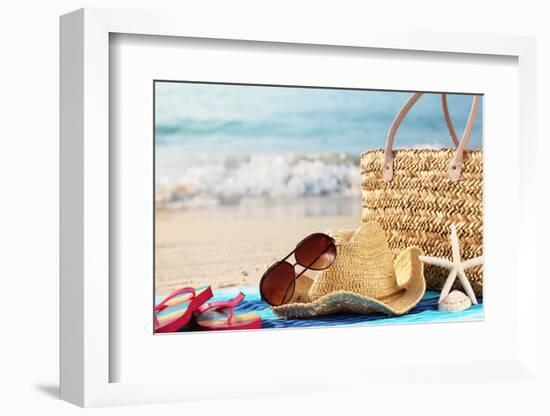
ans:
(317, 252)
(277, 285)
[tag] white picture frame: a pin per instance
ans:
(87, 293)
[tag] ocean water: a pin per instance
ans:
(224, 144)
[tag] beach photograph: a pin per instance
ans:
(245, 173)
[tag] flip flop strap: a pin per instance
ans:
(162, 305)
(221, 306)
(229, 305)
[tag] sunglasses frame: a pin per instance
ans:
(308, 267)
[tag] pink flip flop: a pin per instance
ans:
(220, 315)
(176, 310)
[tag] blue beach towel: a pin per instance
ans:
(425, 312)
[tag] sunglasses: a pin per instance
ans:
(315, 252)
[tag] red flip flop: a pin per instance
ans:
(217, 316)
(176, 310)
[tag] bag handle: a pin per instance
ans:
(455, 165)
(448, 120)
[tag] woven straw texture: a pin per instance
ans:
(418, 206)
(364, 278)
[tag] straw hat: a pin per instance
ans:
(364, 278)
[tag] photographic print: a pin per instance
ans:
(295, 207)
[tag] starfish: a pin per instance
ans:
(456, 267)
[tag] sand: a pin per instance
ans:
(226, 250)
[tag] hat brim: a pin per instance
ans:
(410, 278)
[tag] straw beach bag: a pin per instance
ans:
(416, 194)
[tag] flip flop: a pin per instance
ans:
(220, 315)
(176, 310)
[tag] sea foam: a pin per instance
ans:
(227, 180)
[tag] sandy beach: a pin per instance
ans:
(224, 249)
(243, 173)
